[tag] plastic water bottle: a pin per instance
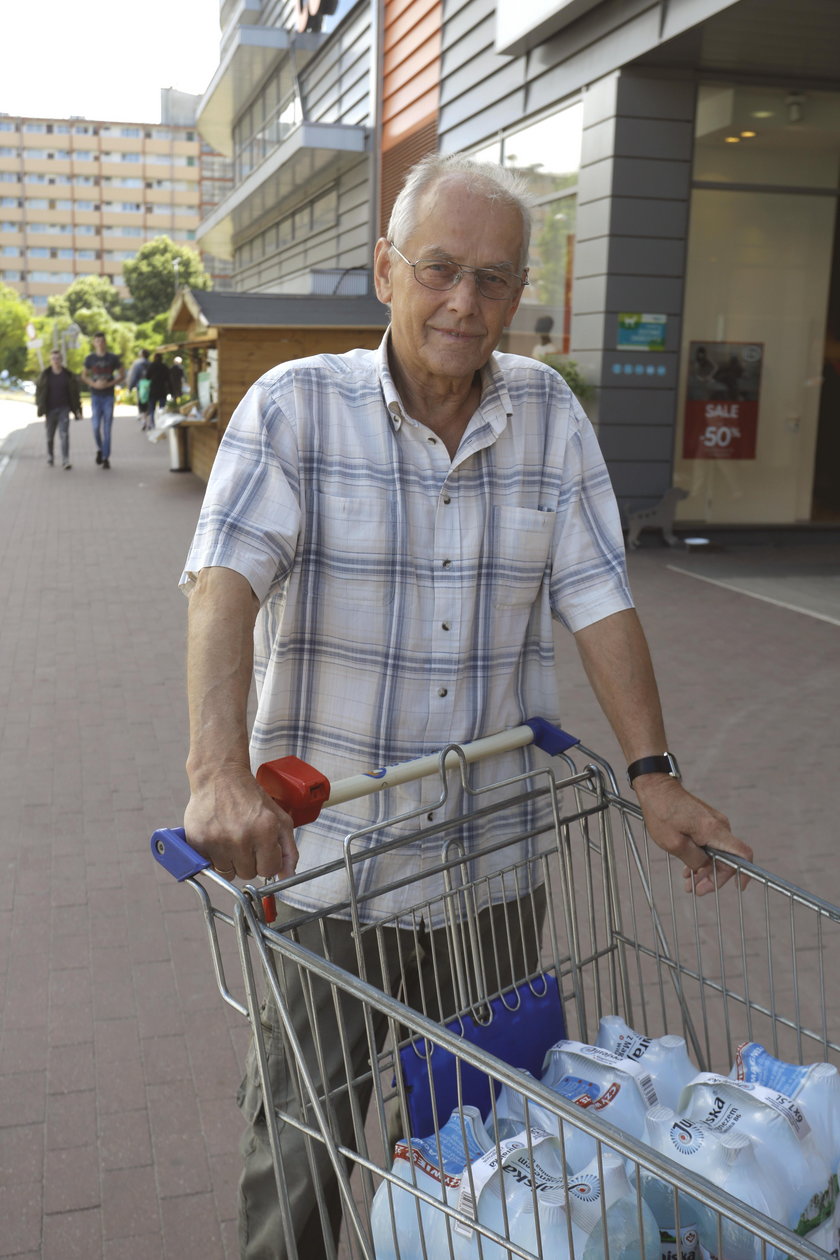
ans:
(746, 1181)
(697, 1149)
(512, 1116)
(612, 1202)
(805, 1191)
(665, 1058)
(519, 1191)
(616, 1089)
(434, 1164)
(815, 1086)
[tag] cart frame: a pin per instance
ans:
(743, 964)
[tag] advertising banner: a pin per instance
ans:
(721, 406)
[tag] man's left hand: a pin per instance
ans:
(682, 824)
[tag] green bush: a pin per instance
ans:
(571, 374)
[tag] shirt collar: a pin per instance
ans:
(494, 409)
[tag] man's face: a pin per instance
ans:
(99, 344)
(440, 339)
(55, 361)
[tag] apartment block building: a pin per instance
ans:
(79, 197)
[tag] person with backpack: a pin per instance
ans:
(138, 378)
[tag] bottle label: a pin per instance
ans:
(577, 1090)
(425, 1161)
(689, 1248)
(616, 1063)
(753, 1063)
(726, 1115)
(632, 1046)
(480, 1172)
(454, 1151)
(686, 1137)
(817, 1221)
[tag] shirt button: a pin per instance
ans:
(447, 564)
(433, 441)
(446, 625)
(442, 691)
(447, 499)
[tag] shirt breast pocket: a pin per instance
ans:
(520, 546)
(355, 550)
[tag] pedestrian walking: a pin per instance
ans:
(159, 387)
(102, 372)
(387, 541)
(57, 397)
(176, 377)
(139, 372)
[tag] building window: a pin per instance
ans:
(546, 154)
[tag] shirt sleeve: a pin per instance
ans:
(250, 517)
(589, 569)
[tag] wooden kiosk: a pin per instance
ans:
(233, 338)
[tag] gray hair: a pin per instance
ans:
(485, 178)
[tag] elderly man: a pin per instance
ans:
(403, 527)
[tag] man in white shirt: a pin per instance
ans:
(403, 528)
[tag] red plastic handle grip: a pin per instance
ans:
(297, 787)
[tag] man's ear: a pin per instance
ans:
(382, 270)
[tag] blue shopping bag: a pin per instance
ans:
(522, 1024)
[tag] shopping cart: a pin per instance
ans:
(588, 919)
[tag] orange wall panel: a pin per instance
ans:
(411, 67)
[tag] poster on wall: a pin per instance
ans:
(721, 405)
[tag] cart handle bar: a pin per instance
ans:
(302, 791)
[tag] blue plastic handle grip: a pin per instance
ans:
(170, 848)
(550, 738)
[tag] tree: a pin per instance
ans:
(156, 273)
(15, 314)
(88, 293)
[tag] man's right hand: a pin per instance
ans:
(244, 833)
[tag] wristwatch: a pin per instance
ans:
(666, 764)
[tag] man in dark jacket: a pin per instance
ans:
(159, 386)
(56, 396)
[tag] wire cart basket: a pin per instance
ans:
(576, 917)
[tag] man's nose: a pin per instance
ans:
(464, 295)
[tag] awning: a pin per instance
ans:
(247, 56)
(312, 152)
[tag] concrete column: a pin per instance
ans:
(633, 201)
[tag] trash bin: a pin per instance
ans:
(178, 456)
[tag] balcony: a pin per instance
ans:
(310, 153)
(248, 54)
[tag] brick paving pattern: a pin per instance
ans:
(118, 1060)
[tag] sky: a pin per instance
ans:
(109, 61)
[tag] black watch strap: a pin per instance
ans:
(666, 764)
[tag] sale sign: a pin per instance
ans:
(721, 406)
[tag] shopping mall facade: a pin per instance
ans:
(684, 158)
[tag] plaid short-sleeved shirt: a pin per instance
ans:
(407, 599)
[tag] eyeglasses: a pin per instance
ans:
(437, 273)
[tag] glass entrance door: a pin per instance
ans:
(756, 303)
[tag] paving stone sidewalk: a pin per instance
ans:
(118, 1060)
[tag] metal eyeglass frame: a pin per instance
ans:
(462, 270)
